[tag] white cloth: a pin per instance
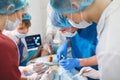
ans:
(108, 49)
(12, 36)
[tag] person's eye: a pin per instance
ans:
(66, 17)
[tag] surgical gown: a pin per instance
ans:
(84, 42)
(108, 49)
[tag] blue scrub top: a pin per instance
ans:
(83, 44)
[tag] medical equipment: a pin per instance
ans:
(50, 58)
(62, 57)
(33, 41)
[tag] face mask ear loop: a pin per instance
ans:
(7, 17)
(71, 13)
(20, 17)
(81, 15)
(15, 15)
(71, 16)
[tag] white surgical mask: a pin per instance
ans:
(11, 25)
(19, 35)
(82, 24)
(70, 34)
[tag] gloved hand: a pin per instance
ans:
(70, 63)
(48, 75)
(89, 72)
(62, 51)
(37, 67)
(34, 76)
(49, 39)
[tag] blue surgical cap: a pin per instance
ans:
(10, 6)
(59, 21)
(65, 6)
(26, 16)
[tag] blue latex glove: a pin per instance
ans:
(70, 63)
(62, 51)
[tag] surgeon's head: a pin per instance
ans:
(11, 12)
(70, 6)
(61, 22)
(22, 30)
(72, 10)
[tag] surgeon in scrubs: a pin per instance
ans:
(83, 44)
(20, 32)
(53, 35)
(10, 14)
(106, 14)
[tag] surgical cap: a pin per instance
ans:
(65, 6)
(59, 21)
(26, 16)
(10, 6)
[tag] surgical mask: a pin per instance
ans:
(11, 25)
(19, 35)
(82, 24)
(70, 34)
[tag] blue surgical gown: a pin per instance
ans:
(83, 44)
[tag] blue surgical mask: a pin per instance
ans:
(11, 25)
(19, 35)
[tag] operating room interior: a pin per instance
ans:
(58, 55)
(59, 39)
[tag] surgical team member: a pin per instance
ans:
(83, 43)
(53, 35)
(19, 33)
(10, 14)
(106, 14)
